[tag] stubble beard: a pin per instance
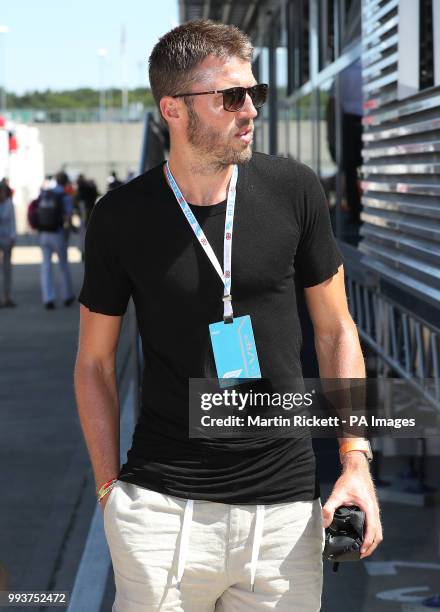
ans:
(214, 149)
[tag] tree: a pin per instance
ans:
(84, 97)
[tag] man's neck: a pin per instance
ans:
(200, 183)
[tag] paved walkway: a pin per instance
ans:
(46, 483)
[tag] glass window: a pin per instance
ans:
(281, 62)
(305, 152)
(327, 150)
(256, 69)
(327, 168)
(261, 73)
(304, 65)
(326, 33)
(281, 85)
(297, 17)
(292, 130)
(426, 44)
(351, 22)
(283, 129)
(292, 47)
(340, 125)
(264, 65)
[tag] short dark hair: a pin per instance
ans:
(176, 56)
(62, 178)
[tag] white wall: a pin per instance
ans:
(23, 167)
(94, 149)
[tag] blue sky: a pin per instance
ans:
(54, 43)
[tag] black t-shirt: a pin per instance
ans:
(140, 244)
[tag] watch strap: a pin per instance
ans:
(356, 444)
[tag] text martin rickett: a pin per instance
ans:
(276, 421)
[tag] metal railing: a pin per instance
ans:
(404, 342)
(134, 113)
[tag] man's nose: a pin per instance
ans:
(248, 109)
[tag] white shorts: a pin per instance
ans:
(220, 550)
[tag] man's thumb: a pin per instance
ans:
(328, 511)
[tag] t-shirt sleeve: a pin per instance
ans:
(317, 257)
(106, 286)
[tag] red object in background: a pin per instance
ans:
(13, 144)
(2, 122)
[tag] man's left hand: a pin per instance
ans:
(355, 488)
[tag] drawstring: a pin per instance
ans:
(258, 535)
(184, 540)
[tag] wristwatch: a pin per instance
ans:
(358, 444)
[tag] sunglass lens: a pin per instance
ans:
(234, 98)
(258, 95)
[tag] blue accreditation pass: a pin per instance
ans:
(234, 349)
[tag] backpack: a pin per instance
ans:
(46, 213)
(32, 214)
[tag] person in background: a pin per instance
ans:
(84, 200)
(113, 181)
(53, 239)
(7, 241)
(10, 191)
(351, 158)
(86, 195)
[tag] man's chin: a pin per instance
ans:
(234, 156)
(244, 155)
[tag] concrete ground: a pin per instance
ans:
(47, 488)
(46, 483)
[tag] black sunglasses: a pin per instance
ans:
(234, 98)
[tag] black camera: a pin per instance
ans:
(344, 536)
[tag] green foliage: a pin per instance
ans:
(85, 97)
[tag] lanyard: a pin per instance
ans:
(227, 241)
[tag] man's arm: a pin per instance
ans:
(96, 392)
(340, 356)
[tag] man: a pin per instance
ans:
(53, 213)
(84, 201)
(8, 236)
(113, 181)
(85, 197)
(203, 524)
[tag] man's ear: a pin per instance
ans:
(169, 108)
